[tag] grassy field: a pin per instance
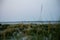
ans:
(29, 31)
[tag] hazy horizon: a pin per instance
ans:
(29, 10)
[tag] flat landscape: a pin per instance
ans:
(30, 31)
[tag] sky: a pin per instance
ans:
(29, 10)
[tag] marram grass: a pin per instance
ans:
(30, 32)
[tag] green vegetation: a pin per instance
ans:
(29, 32)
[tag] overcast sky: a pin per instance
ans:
(29, 10)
